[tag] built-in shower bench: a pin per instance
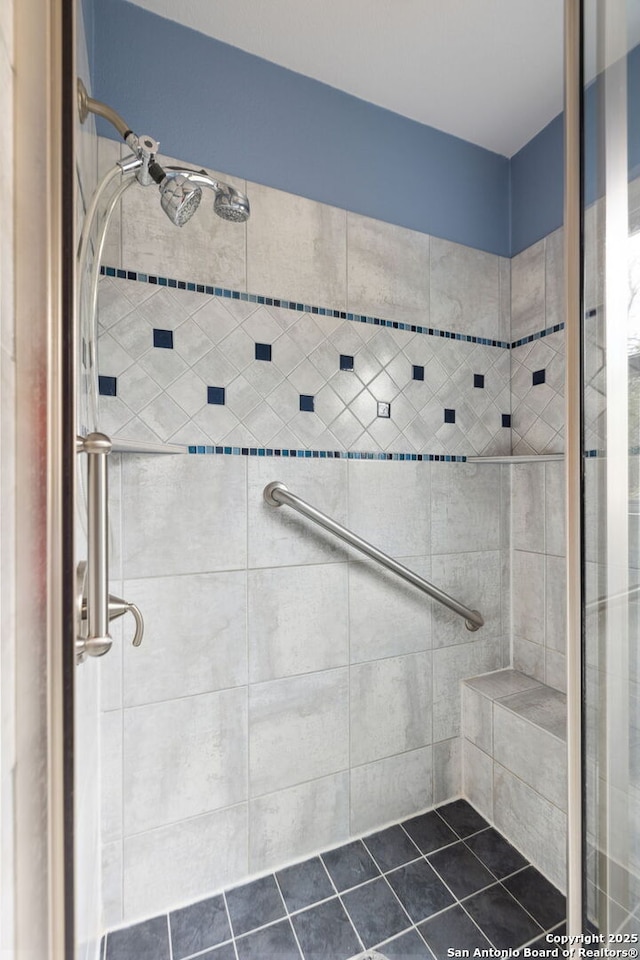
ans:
(514, 763)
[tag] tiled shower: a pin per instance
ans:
(289, 697)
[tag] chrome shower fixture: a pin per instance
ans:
(180, 188)
(228, 202)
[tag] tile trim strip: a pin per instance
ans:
(224, 292)
(322, 454)
(537, 336)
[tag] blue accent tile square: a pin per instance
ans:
(304, 884)
(375, 912)
(307, 402)
(539, 376)
(478, 380)
(275, 941)
(418, 372)
(420, 891)
(326, 931)
(196, 927)
(391, 847)
(254, 904)
(346, 362)
(163, 339)
(107, 386)
(263, 351)
(449, 416)
(216, 395)
(144, 941)
(350, 865)
(506, 419)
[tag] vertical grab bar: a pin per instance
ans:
(97, 641)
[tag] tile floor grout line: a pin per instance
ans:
(288, 915)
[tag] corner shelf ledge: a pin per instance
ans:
(144, 446)
(525, 458)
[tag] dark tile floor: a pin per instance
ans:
(442, 880)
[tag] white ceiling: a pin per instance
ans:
(489, 71)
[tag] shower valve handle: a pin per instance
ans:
(118, 607)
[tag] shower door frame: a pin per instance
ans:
(40, 718)
(574, 499)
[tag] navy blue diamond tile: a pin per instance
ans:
(144, 941)
(216, 395)
(539, 376)
(199, 926)
(346, 361)
(449, 416)
(107, 386)
(326, 933)
(418, 372)
(163, 339)
(304, 884)
(307, 402)
(375, 912)
(506, 419)
(478, 380)
(254, 904)
(263, 351)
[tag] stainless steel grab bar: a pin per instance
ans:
(276, 494)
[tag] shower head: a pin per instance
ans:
(180, 188)
(179, 198)
(230, 204)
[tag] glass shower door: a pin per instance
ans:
(611, 450)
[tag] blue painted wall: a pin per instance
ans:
(212, 104)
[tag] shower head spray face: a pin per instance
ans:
(179, 198)
(230, 204)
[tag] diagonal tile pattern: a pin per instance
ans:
(214, 345)
(340, 907)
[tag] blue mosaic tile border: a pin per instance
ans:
(322, 454)
(293, 305)
(538, 335)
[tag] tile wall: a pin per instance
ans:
(537, 354)
(313, 699)
(257, 720)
